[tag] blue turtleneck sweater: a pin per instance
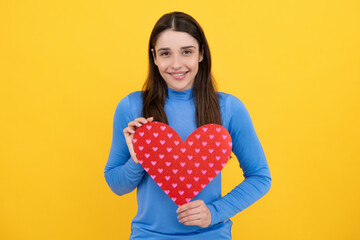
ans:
(156, 217)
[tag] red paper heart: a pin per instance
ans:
(182, 169)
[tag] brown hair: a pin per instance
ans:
(204, 89)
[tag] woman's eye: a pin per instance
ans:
(187, 52)
(164, 54)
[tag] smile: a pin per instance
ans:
(178, 76)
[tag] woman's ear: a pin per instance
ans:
(201, 57)
(154, 55)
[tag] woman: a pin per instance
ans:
(179, 91)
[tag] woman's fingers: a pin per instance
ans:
(191, 215)
(129, 132)
(189, 206)
(191, 218)
(197, 222)
(189, 212)
(195, 213)
(138, 122)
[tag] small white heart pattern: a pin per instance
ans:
(182, 169)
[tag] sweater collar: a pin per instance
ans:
(180, 95)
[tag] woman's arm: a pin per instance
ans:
(249, 152)
(122, 174)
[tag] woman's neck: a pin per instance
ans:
(180, 95)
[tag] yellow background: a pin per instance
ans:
(66, 64)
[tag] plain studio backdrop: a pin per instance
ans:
(65, 65)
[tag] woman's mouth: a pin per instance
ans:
(178, 75)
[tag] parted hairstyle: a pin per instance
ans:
(204, 90)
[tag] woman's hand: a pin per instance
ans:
(194, 213)
(129, 133)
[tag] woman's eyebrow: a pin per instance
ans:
(188, 47)
(163, 49)
(185, 47)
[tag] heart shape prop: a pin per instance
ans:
(182, 169)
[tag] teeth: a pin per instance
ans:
(178, 74)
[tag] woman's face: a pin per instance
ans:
(177, 57)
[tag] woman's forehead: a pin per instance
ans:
(171, 39)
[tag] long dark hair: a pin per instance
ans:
(204, 89)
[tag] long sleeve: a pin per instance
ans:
(156, 217)
(122, 174)
(249, 152)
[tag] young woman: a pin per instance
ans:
(179, 91)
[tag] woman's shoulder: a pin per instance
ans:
(230, 100)
(135, 96)
(233, 110)
(132, 102)
(132, 98)
(225, 96)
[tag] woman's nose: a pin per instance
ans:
(176, 62)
